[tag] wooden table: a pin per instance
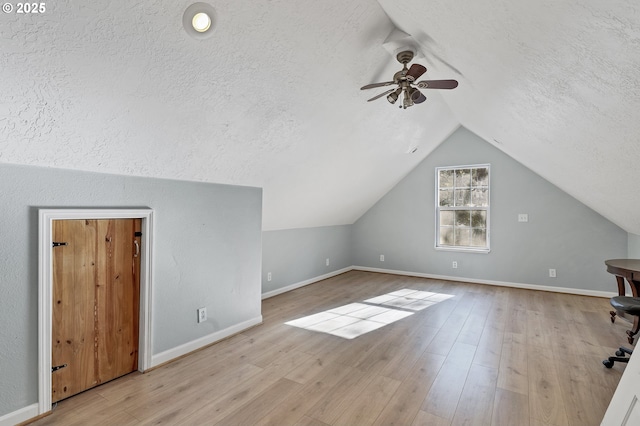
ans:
(628, 269)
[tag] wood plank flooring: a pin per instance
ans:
(487, 356)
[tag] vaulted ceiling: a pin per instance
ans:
(272, 98)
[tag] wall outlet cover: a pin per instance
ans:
(202, 314)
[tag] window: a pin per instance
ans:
(462, 208)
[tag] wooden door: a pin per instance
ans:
(96, 298)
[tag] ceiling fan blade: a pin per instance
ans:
(374, 85)
(415, 71)
(437, 84)
(381, 95)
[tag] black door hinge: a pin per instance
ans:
(58, 367)
(56, 244)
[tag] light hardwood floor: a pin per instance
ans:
(488, 356)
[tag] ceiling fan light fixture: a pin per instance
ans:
(407, 101)
(393, 97)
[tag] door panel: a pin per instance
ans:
(73, 334)
(96, 291)
(117, 296)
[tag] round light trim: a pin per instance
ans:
(199, 20)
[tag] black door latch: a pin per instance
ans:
(58, 367)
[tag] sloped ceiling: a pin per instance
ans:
(272, 99)
(554, 84)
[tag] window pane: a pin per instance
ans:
(479, 219)
(446, 178)
(480, 197)
(446, 218)
(463, 178)
(446, 236)
(462, 237)
(463, 218)
(479, 238)
(446, 197)
(463, 197)
(480, 177)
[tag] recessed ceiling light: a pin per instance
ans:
(201, 22)
(198, 20)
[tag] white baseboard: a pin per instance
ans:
(576, 291)
(194, 345)
(305, 282)
(19, 416)
(567, 290)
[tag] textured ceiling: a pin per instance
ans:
(554, 84)
(272, 99)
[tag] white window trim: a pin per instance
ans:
(483, 250)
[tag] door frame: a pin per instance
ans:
(45, 286)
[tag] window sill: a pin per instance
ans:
(464, 249)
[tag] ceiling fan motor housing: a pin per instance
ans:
(405, 57)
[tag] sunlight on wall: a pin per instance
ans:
(355, 319)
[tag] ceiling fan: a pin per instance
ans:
(407, 85)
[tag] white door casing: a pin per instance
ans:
(45, 285)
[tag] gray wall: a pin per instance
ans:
(207, 248)
(208, 243)
(634, 246)
(296, 255)
(562, 233)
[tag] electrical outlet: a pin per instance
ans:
(327, 261)
(454, 265)
(202, 314)
(382, 258)
(523, 217)
(268, 276)
(552, 273)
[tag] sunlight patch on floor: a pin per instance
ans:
(355, 319)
